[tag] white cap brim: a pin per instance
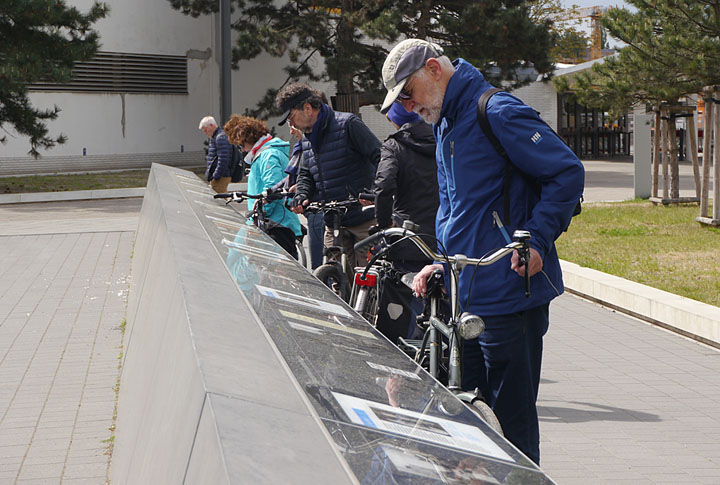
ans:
(392, 96)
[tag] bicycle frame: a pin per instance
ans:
(335, 255)
(463, 325)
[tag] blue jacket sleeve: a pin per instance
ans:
(224, 154)
(535, 149)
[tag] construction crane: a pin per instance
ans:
(595, 15)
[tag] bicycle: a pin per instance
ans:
(334, 272)
(369, 280)
(257, 214)
(429, 352)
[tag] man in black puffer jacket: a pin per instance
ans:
(340, 156)
(406, 185)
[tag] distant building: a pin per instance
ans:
(589, 132)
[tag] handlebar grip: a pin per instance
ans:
(368, 242)
(367, 196)
(224, 195)
(274, 195)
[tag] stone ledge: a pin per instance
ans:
(688, 317)
(70, 195)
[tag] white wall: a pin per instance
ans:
(153, 123)
(541, 95)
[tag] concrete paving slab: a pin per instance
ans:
(49, 355)
(620, 401)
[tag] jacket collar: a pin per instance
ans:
(462, 88)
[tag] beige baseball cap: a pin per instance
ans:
(404, 59)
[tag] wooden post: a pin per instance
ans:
(656, 154)
(716, 157)
(674, 168)
(666, 152)
(693, 151)
(707, 157)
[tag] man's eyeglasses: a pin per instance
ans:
(405, 93)
(293, 112)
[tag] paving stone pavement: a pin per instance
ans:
(63, 296)
(620, 401)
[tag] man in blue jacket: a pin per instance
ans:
(505, 360)
(218, 157)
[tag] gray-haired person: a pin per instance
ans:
(543, 189)
(218, 157)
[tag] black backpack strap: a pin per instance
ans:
(487, 129)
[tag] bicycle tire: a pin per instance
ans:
(302, 256)
(486, 413)
(331, 276)
(371, 307)
(364, 301)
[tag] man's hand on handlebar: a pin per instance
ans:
(298, 204)
(536, 263)
(420, 279)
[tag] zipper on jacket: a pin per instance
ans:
(447, 179)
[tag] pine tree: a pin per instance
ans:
(497, 37)
(571, 42)
(673, 49)
(39, 41)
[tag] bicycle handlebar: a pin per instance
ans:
(336, 205)
(268, 195)
(520, 243)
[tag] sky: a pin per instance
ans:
(600, 3)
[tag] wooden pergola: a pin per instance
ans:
(665, 151)
(711, 95)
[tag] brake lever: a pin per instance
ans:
(525, 260)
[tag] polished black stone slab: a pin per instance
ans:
(390, 420)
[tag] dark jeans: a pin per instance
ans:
(504, 362)
(316, 232)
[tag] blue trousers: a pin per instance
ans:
(504, 363)
(316, 231)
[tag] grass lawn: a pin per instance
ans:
(80, 181)
(658, 246)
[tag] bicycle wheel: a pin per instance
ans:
(332, 276)
(302, 257)
(371, 307)
(364, 301)
(485, 413)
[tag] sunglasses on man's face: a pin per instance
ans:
(405, 93)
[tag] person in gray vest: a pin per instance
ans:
(340, 156)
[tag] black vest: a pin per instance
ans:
(336, 168)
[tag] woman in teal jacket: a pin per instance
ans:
(267, 157)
